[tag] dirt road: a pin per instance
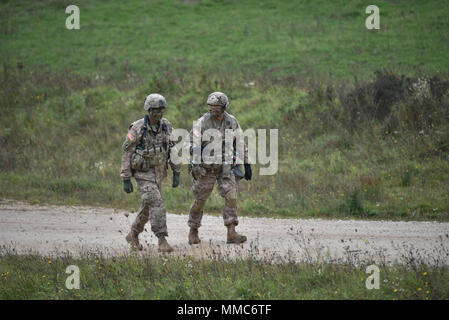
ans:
(75, 229)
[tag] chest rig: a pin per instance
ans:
(152, 149)
(223, 167)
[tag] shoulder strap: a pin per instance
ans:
(164, 130)
(143, 132)
(228, 120)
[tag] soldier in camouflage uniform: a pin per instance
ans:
(205, 175)
(145, 157)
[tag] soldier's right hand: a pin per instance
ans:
(127, 186)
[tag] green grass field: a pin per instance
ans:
(362, 116)
(307, 39)
(69, 95)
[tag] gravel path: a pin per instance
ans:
(56, 229)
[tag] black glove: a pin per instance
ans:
(237, 171)
(248, 172)
(175, 179)
(127, 186)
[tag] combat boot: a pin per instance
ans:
(233, 236)
(163, 245)
(193, 236)
(133, 240)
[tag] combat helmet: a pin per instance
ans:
(154, 101)
(218, 99)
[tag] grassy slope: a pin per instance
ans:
(70, 123)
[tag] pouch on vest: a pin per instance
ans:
(140, 160)
(157, 156)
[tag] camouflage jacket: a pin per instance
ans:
(207, 122)
(160, 144)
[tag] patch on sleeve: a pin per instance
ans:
(130, 137)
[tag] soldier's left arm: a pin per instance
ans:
(245, 147)
(172, 150)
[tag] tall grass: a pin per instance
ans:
(152, 276)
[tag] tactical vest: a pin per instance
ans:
(153, 148)
(225, 168)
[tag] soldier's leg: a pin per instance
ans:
(151, 196)
(227, 188)
(152, 199)
(152, 204)
(201, 190)
(141, 219)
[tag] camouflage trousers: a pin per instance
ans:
(202, 188)
(152, 208)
